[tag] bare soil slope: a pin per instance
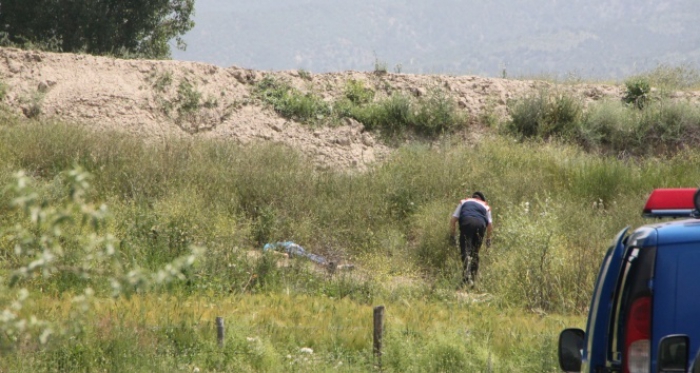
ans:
(142, 97)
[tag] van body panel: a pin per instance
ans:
(678, 232)
(677, 299)
(594, 357)
(688, 297)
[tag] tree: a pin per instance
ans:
(119, 27)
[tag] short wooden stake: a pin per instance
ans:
(378, 332)
(220, 331)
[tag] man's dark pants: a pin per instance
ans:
(471, 236)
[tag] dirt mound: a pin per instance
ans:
(154, 100)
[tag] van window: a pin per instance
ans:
(633, 286)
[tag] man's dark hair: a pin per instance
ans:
(479, 195)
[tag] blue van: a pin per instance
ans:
(644, 315)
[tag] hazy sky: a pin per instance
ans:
(603, 38)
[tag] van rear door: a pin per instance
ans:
(676, 307)
(594, 353)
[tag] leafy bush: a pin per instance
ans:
(669, 125)
(544, 115)
(637, 92)
(188, 98)
(357, 93)
(303, 107)
(392, 115)
(61, 241)
(607, 126)
(662, 127)
(438, 114)
(290, 102)
(400, 114)
(526, 115)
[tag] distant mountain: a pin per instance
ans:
(588, 38)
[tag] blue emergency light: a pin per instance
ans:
(673, 203)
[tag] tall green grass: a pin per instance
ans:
(167, 196)
(669, 78)
(267, 333)
(555, 209)
(644, 126)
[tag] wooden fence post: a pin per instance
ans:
(378, 332)
(220, 331)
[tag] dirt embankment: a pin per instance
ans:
(148, 99)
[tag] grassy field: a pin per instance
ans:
(122, 289)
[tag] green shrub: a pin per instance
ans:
(395, 114)
(564, 112)
(667, 126)
(163, 81)
(526, 115)
(637, 93)
(661, 127)
(290, 102)
(304, 74)
(544, 115)
(400, 114)
(302, 107)
(188, 98)
(357, 93)
(391, 116)
(607, 126)
(438, 114)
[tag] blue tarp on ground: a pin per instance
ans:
(294, 249)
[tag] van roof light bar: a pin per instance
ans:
(673, 203)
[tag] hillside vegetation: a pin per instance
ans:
(119, 251)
